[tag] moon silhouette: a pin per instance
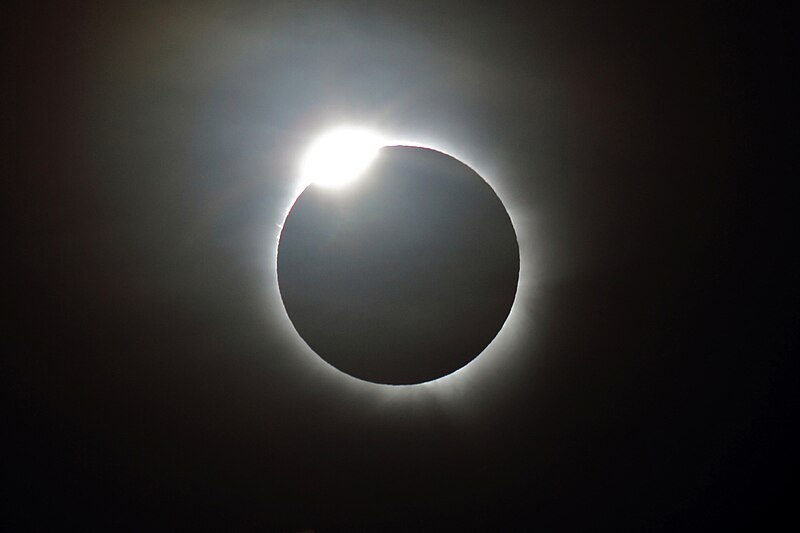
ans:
(406, 275)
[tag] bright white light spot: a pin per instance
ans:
(340, 156)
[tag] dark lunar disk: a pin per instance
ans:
(404, 276)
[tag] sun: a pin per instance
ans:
(339, 156)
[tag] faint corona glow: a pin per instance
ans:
(454, 391)
(340, 156)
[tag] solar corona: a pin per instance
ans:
(396, 264)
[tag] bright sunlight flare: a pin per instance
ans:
(340, 156)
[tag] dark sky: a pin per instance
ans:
(153, 383)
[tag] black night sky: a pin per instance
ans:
(153, 381)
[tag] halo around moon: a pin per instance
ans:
(407, 276)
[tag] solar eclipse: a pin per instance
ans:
(405, 275)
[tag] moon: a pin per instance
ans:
(403, 277)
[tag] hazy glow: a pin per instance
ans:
(340, 156)
(456, 392)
